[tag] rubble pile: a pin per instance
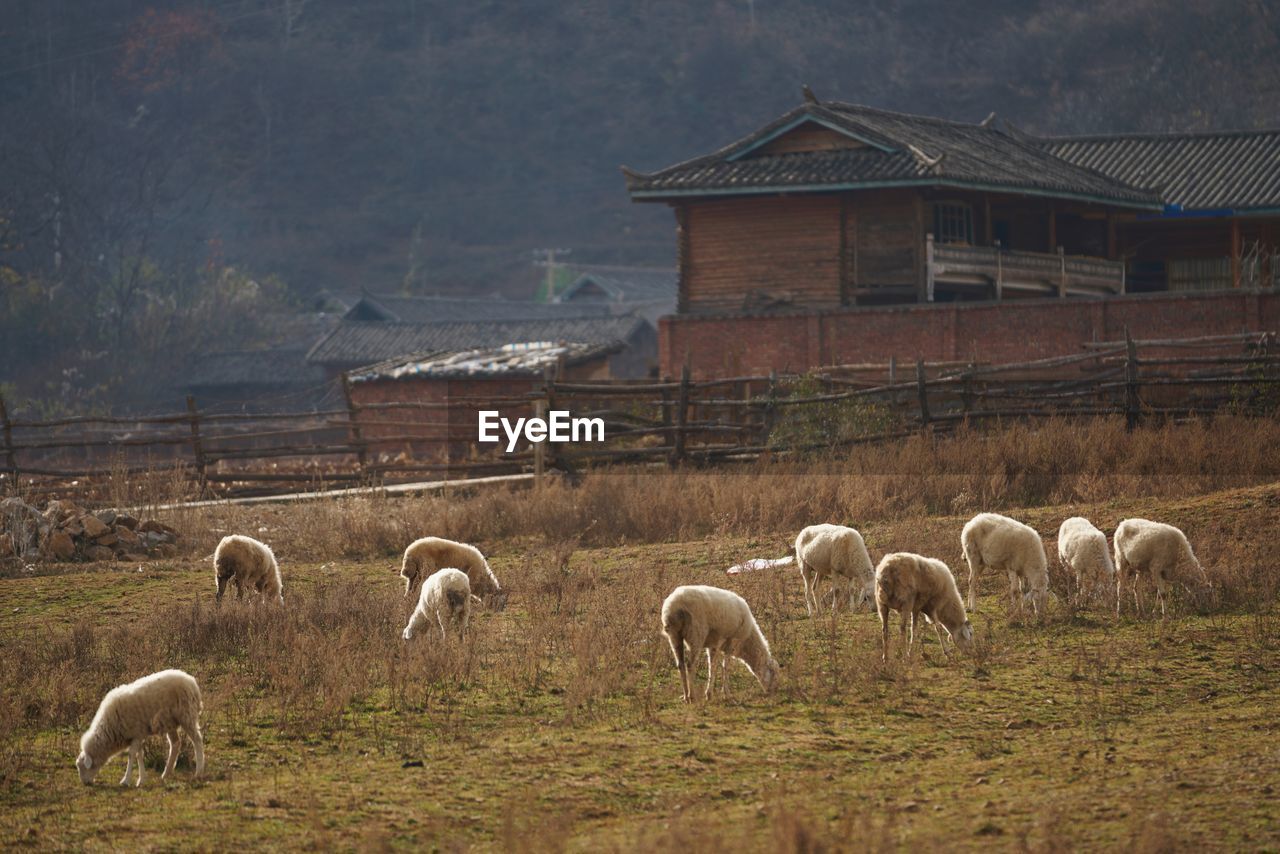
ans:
(63, 531)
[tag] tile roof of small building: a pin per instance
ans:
(438, 309)
(364, 343)
(528, 358)
(623, 284)
(278, 367)
(896, 150)
(1236, 170)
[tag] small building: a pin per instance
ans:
(355, 343)
(268, 380)
(390, 308)
(456, 385)
(844, 233)
(648, 291)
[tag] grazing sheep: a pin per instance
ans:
(250, 564)
(915, 585)
(838, 553)
(992, 541)
(429, 554)
(1154, 548)
(445, 599)
(166, 702)
(720, 621)
(1083, 549)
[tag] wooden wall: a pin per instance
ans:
(812, 250)
(884, 235)
(784, 247)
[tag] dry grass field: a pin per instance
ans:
(559, 723)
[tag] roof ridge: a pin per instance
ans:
(844, 105)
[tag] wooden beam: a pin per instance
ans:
(682, 258)
(1053, 229)
(845, 298)
(1235, 252)
(922, 263)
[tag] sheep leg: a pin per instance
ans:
(724, 673)
(711, 675)
(1015, 600)
(128, 767)
(175, 744)
(444, 634)
(883, 610)
(941, 643)
(902, 630)
(137, 746)
(685, 682)
(239, 589)
(810, 580)
(197, 742)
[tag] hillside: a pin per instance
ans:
(432, 145)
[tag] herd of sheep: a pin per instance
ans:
(695, 618)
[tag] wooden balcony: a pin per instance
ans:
(1008, 273)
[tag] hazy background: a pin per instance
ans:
(173, 175)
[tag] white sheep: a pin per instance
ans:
(1083, 549)
(251, 565)
(430, 554)
(166, 702)
(838, 553)
(992, 541)
(915, 585)
(700, 617)
(445, 600)
(1154, 548)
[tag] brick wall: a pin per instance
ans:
(734, 345)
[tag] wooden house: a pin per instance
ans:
(836, 207)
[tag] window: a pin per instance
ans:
(952, 223)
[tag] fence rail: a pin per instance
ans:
(675, 421)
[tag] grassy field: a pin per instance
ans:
(559, 724)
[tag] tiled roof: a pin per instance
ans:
(360, 343)
(1238, 170)
(431, 309)
(509, 359)
(623, 284)
(265, 368)
(898, 150)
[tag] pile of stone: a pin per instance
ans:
(63, 531)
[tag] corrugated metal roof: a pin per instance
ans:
(361, 343)
(1239, 170)
(900, 150)
(529, 358)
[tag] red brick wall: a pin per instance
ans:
(734, 345)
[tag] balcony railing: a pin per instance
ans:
(1022, 272)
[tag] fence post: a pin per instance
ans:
(10, 460)
(923, 393)
(682, 416)
(1132, 407)
(356, 437)
(668, 438)
(197, 447)
(539, 448)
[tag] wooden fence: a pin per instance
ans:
(673, 422)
